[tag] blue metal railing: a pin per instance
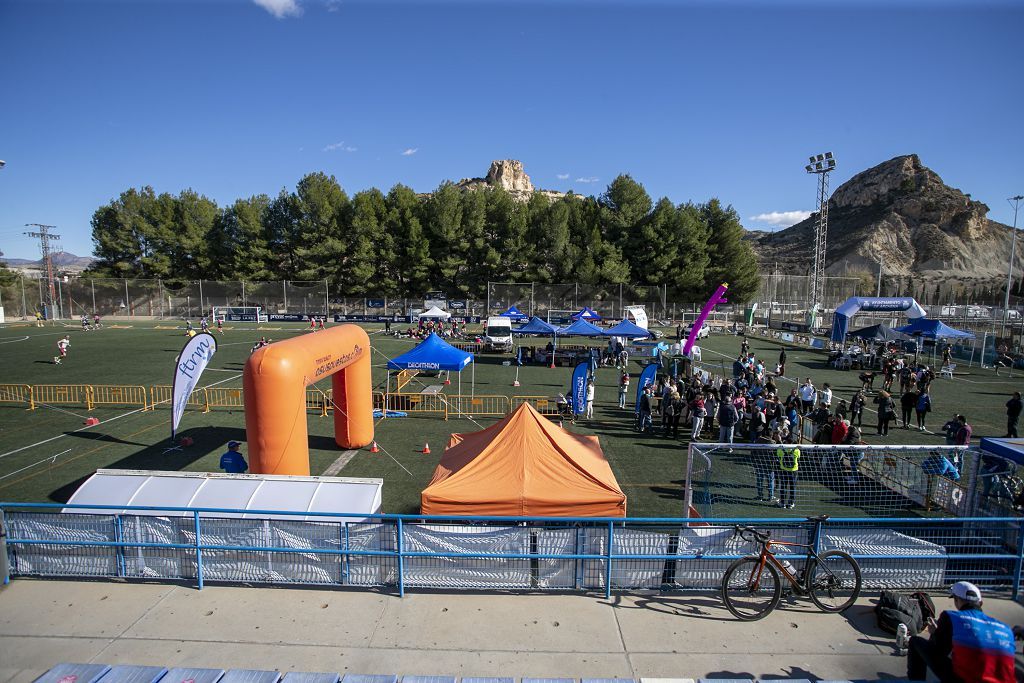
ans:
(600, 553)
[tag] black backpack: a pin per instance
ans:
(912, 609)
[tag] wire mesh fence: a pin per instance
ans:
(772, 480)
(494, 553)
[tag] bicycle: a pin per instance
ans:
(751, 587)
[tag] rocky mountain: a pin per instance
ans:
(899, 212)
(63, 260)
(508, 174)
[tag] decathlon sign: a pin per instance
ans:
(192, 360)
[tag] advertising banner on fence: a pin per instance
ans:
(192, 360)
(358, 318)
(293, 317)
(579, 388)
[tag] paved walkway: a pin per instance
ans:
(43, 623)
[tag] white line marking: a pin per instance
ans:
(116, 417)
(13, 340)
(338, 464)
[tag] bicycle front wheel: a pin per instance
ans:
(750, 589)
(833, 581)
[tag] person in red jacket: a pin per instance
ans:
(965, 645)
(840, 428)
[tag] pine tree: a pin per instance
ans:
(369, 251)
(325, 240)
(446, 236)
(412, 252)
(732, 259)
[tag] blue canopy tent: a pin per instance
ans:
(514, 313)
(933, 329)
(586, 313)
(580, 328)
(627, 329)
(535, 326)
(434, 353)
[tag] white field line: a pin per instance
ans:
(116, 417)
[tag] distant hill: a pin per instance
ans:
(902, 212)
(64, 260)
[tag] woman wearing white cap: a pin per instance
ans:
(965, 644)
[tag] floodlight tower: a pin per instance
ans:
(822, 165)
(45, 237)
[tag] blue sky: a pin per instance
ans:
(693, 99)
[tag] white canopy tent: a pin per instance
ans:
(435, 312)
(229, 491)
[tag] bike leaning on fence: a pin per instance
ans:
(752, 586)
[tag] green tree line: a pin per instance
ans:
(404, 244)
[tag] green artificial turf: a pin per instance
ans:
(44, 458)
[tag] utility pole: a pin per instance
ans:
(1015, 203)
(44, 236)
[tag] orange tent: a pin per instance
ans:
(524, 465)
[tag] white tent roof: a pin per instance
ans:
(229, 491)
(435, 312)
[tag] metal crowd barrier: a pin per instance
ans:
(497, 553)
(116, 395)
(20, 394)
(62, 394)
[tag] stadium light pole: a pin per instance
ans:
(1015, 203)
(821, 165)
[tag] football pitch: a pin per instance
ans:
(45, 454)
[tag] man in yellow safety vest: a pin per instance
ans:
(789, 465)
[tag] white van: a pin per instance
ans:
(498, 334)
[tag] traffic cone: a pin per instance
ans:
(447, 382)
(426, 448)
(91, 421)
(374, 448)
(515, 383)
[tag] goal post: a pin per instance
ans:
(751, 480)
(240, 314)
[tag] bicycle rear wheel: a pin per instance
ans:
(833, 581)
(751, 590)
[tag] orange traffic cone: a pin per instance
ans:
(91, 421)
(447, 381)
(374, 448)
(426, 448)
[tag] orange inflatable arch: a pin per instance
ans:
(275, 382)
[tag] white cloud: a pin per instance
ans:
(781, 218)
(339, 146)
(563, 176)
(410, 151)
(281, 8)
(333, 5)
(588, 179)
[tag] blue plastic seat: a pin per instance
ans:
(126, 673)
(74, 673)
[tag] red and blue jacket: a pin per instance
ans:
(983, 647)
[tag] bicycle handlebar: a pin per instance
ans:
(748, 533)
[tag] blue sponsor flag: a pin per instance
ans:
(646, 379)
(578, 397)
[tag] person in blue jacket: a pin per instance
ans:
(232, 461)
